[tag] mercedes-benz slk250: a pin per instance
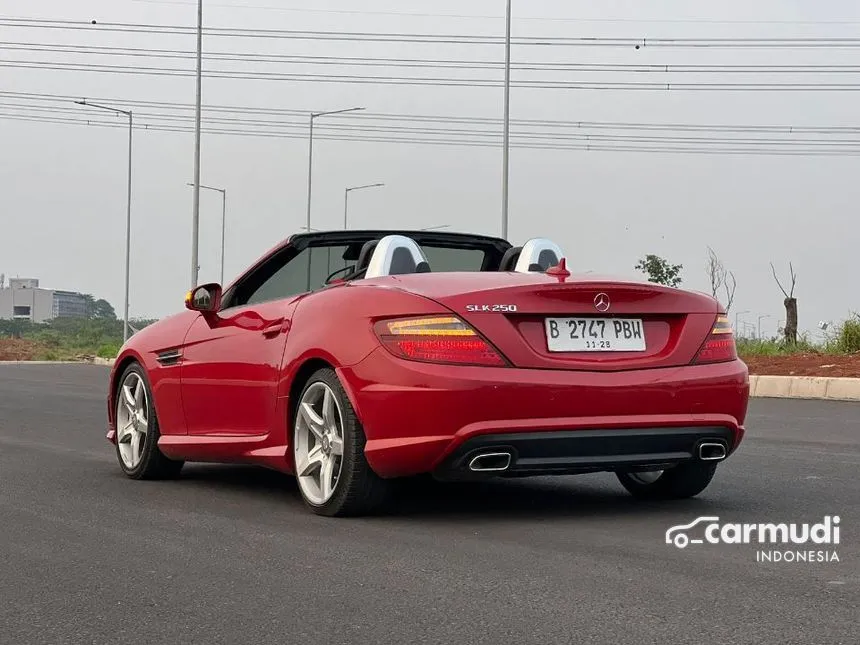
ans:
(353, 359)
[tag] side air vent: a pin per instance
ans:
(170, 358)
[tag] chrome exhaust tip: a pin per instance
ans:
(712, 451)
(491, 462)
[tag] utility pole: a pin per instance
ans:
(738, 314)
(506, 155)
(195, 221)
(346, 201)
(223, 223)
(760, 318)
(313, 117)
(130, 115)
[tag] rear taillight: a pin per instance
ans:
(720, 345)
(444, 339)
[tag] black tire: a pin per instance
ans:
(359, 490)
(153, 464)
(680, 482)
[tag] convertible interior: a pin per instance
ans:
(400, 255)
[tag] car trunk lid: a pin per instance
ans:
(666, 326)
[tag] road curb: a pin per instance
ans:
(805, 387)
(40, 362)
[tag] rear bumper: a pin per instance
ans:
(420, 418)
(582, 451)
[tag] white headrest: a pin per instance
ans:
(395, 255)
(539, 252)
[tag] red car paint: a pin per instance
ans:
(228, 398)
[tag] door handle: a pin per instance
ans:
(276, 327)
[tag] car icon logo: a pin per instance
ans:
(677, 535)
(602, 302)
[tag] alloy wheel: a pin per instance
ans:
(319, 443)
(132, 420)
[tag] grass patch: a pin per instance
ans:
(847, 341)
(754, 347)
(67, 339)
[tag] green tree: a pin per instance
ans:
(102, 310)
(659, 271)
(90, 305)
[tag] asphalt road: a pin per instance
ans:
(229, 555)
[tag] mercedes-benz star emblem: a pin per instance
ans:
(602, 302)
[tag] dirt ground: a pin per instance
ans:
(12, 349)
(805, 365)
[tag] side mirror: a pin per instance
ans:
(205, 299)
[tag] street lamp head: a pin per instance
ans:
(314, 115)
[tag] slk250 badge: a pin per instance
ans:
(498, 309)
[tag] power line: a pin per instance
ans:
(727, 147)
(161, 119)
(429, 38)
(519, 19)
(422, 63)
(398, 128)
(140, 105)
(418, 81)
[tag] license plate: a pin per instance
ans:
(595, 335)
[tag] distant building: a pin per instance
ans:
(22, 299)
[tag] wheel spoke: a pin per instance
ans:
(314, 421)
(327, 478)
(329, 411)
(136, 442)
(125, 434)
(337, 446)
(139, 393)
(307, 464)
(126, 430)
(128, 398)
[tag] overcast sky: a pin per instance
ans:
(62, 187)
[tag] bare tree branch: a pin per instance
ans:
(776, 277)
(731, 286)
(716, 272)
(793, 279)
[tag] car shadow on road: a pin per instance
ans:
(580, 496)
(422, 497)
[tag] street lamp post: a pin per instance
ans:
(198, 117)
(738, 314)
(506, 154)
(313, 117)
(760, 318)
(223, 222)
(130, 116)
(346, 201)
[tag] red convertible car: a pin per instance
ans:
(352, 359)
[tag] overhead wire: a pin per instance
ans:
(431, 38)
(499, 17)
(433, 81)
(257, 57)
(65, 100)
(470, 139)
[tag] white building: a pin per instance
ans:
(22, 299)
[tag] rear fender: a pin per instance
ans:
(336, 326)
